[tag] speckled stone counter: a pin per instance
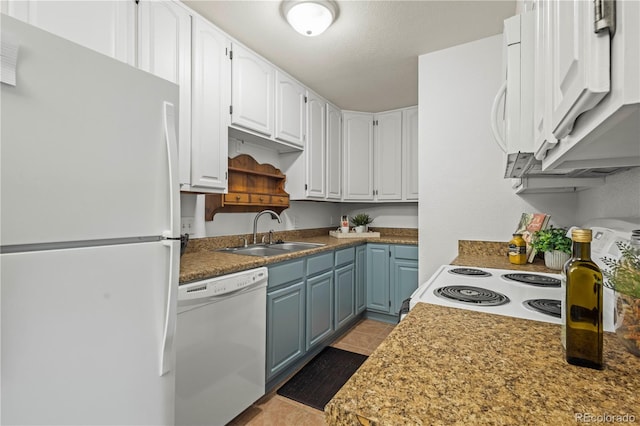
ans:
(202, 261)
(443, 366)
(491, 254)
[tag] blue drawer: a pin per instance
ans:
(345, 256)
(406, 252)
(319, 263)
(286, 272)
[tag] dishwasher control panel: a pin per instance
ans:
(222, 285)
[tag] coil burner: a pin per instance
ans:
(546, 306)
(472, 295)
(469, 272)
(533, 279)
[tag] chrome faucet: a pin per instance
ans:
(273, 214)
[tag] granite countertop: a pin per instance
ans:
(202, 261)
(446, 365)
(492, 254)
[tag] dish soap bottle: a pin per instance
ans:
(517, 250)
(583, 307)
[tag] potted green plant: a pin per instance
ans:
(555, 245)
(623, 276)
(361, 221)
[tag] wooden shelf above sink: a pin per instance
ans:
(253, 187)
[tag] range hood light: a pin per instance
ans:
(310, 17)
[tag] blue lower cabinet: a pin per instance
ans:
(361, 278)
(392, 276)
(308, 300)
(403, 274)
(345, 295)
(378, 296)
(319, 308)
(404, 281)
(285, 326)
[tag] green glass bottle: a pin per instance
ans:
(583, 308)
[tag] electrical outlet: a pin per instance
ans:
(187, 225)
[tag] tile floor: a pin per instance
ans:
(276, 410)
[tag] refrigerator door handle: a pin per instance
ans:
(167, 352)
(169, 117)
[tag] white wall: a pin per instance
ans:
(618, 198)
(385, 215)
(463, 194)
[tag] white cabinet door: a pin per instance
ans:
(211, 100)
(334, 152)
(579, 63)
(315, 151)
(410, 154)
(252, 91)
(105, 26)
(388, 156)
(290, 110)
(358, 155)
(164, 49)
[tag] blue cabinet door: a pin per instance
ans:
(345, 295)
(319, 308)
(361, 278)
(404, 274)
(378, 294)
(404, 281)
(285, 327)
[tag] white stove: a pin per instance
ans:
(495, 291)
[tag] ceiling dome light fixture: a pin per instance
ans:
(310, 17)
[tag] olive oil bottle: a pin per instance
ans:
(583, 307)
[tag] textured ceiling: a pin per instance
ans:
(368, 59)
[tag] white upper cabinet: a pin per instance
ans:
(334, 152)
(105, 26)
(357, 156)
(388, 156)
(579, 65)
(290, 110)
(316, 174)
(380, 161)
(252, 91)
(315, 152)
(542, 131)
(410, 154)
(593, 75)
(164, 49)
(211, 99)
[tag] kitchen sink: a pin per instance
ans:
(265, 250)
(295, 246)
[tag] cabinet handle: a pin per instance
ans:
(261, 199)
(494, 117)
(237, 197)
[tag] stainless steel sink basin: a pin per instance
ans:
(264, 250)
(295, 246)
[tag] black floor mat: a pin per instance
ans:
(322, 377)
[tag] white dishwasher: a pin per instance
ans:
(220, 341)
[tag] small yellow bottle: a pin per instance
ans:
(517, 250)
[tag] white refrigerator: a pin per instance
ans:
(90, 244)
